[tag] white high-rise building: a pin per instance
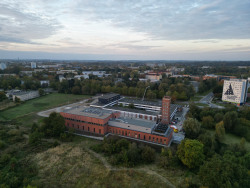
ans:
(235, 91)
(33, 65)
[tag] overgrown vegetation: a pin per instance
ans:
(125, 153)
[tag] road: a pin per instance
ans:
(178, 137)
(207, 99)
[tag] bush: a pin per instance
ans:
(35, 138)
(148, 154)
(2, 144)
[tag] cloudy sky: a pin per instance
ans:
(125, 29)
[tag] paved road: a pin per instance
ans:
(178, 137)
(208, 98)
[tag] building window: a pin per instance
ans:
(135, 135)
(139, 136)
(157, 140)
(94, 130)
(122, 132)
(82, 127)
(88, 128)
(100, 131)
(125, 133)
(164, 141)
(144, 137)
(149, 138)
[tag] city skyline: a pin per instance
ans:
(125, 30)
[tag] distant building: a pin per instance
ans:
(66, 71)
(44, 83)
(22, 95)
(61, 78)
(6, 75)
(99, 74)
(3, 66)
(33, 65)
(235, 91)
(153, 76)
(217, 77)
(79, 77)
(205, 67)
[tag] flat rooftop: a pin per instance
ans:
(109, 95)
(88, 111)
(138, 101)
(134, 110)
(133, 124)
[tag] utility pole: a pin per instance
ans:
(145, 93)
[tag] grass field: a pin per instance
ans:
(73, 165)
(232, 139)
(202, 104)
(39, 104)
(196, 98)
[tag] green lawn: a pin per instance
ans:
(39, 104)
(201, 104)
(232, 139)
(196, 98)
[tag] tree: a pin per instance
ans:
(190, 152)
(208, 141)
(2, 96)
(192, 128)
(218, 117)
(76, 90)
(54, 125)
(219, 131)
(133, 154)
(131, 105)
(208, 122)
(230, 120)
(17, 100)
(35, 138)
(148, 154)
(41, 91)
(219, 172)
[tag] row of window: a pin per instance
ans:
(76, 120)
(138, 136)
(82, 128)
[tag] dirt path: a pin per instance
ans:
(145, 170)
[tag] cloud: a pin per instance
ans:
(175, 19)
(20, 26)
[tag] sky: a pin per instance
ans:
(125, 29)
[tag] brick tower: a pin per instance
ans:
(165, 110)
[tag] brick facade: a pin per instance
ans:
(166, 101)
(101, 127)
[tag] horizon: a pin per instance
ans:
(125, 30)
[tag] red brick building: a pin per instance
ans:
(101, 122)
